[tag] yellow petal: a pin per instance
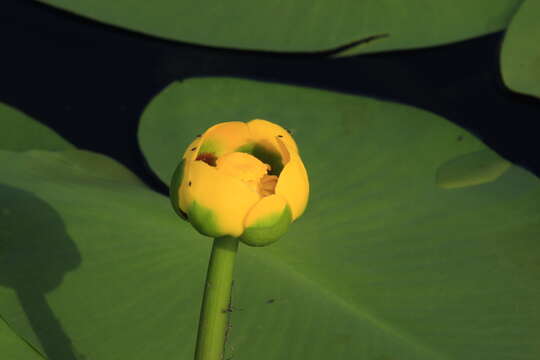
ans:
(263, 130)
(267, 221)
(243, 166)
(224, 138)
(268, 141)
(293, 185)
(174, 189)
(216, 204)
(188, 159)
(218, 139)
(190, 152)
(184, 196)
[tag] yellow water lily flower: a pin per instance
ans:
(245, 180)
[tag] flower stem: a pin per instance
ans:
(215, 309)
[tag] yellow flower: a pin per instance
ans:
(245, 180)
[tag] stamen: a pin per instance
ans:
(268, 185)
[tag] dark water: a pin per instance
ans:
(90, 82)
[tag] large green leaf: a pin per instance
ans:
(19, 132)
(302, 25)
(414, 226)
(93, 268)
(520, 56)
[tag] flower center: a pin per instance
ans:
(247, 168)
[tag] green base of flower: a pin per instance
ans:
(268, 230)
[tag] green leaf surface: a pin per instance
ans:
(19, 132)
(520, 55)
(471, 169)
(93, 268)
(108, 271)
(12, 347)
(386, 263)
(303, 25)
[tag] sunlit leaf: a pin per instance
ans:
(444, 272)
(95, 267)
(96, 270)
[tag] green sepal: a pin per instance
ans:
(268, 230)
(176, 180)
(204, 220)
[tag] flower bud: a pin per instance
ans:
(238, 179)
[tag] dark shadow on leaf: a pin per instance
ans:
(35, 254)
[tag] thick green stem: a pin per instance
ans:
(213, 323)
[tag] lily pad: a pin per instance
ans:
(19, 132)
(520, 55)
(302, 25)
(440, 272)
(96, 270)
(93, 268)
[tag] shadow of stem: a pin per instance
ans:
(35, 254)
